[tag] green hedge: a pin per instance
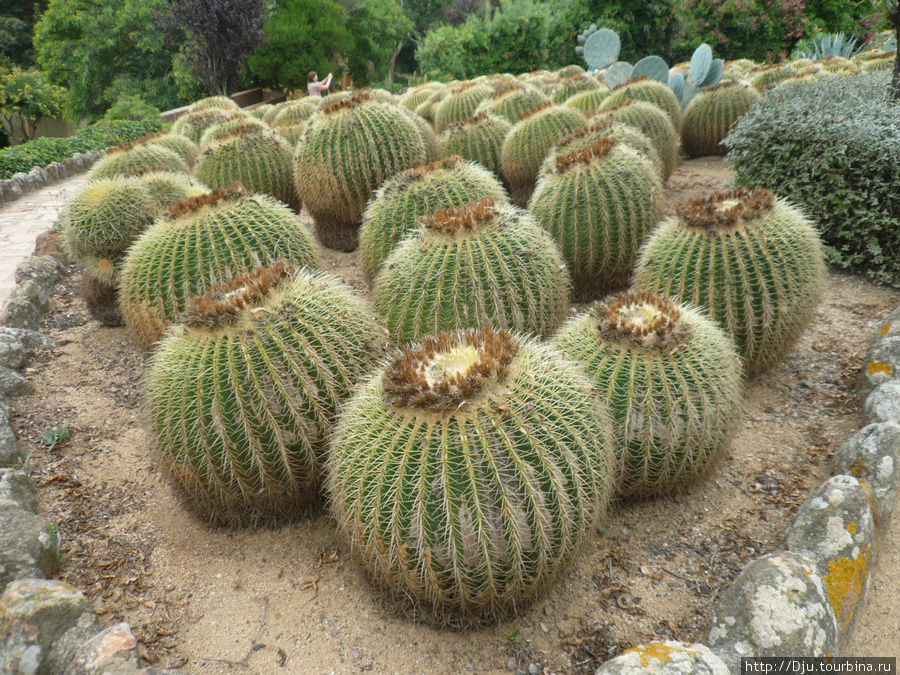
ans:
(43, 151)
(832, 148)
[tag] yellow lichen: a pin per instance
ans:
(876, 367)
(659, 651)
(844, 583)
(885, 329)
(851, 528)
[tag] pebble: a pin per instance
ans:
(511, 664)
(334, 632)
(544, 627)
(533, 669)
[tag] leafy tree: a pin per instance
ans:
(216, 37)
(891, 11)
(101, 49)
(15, 42)
(380, 26)
(30, 97)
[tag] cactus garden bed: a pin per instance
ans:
(291, 599)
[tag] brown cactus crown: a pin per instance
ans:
(193, 204)
(144, 170)
(585, 155)
(621, 105)
(598, 127)
(641, 319)
(462, 87)
(225, 303)
(445, 372)
(468, 217)
(882, 57)
(149, 138)
(633, 80)
(726, 209)
(507, 87)
(355, 99)
(474, 119)
(538, 108)
(724, 84)
(403, 180)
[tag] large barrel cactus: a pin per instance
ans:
(396, 206)
(349, 149)
(459, 104)
(710, 115)
(225, 103)
(193, 124)
(512, 100)
(416, 96)
(588, 101)
(481, 264)
(574, 84)
(468, 472)
(644, 89)
(599, 203)
(479, 138)
(242, 396)
(237, 123)
(753, 262)
(653, 122)
(127, 157)
(672, 380)
(294, 111)
(529, 141)
(200, 242)
(182, 146)
(167, 187)
(258, 158)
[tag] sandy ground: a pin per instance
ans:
(291, 599)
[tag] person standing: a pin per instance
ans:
(314, 87)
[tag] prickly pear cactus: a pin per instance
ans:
(468, 472)
(242, 396)
(651, 91)
(130, 156)
(349, 149)
(598, 204)
(672, 379)
(754, 263)
(653, 122)
(710, 115)
(481, 264)
(512, 100)
(529, 141)
(200, 242)
(397, 206)
(479, 138)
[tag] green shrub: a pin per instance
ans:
(43, 151)
(832, 148)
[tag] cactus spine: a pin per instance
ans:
(512, 100)
(242, 396)
(460, 104)
(479, 138)
(127, 157)
(754, 263)
(481, 264)
(672, 379)
(468, 473)
(710, 115)
(653, 122)
(589, 101)
(650, 91)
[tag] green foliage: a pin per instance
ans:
(43, 151)
(643, 27)
(16, 47)
(831, 147)
(132, 108)
(56, 436)
(28, 96)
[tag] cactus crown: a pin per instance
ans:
(194, 204)
(725, 84)
(411, 176)
(351, 101)
(144, 170)
(507, 88)
(224, 303)
(463, 87)
(641, 319)
(535, 110)
(619, 106)
(633, 80)
(474, 119)
(237, 131)
(599, 125)
(599, 149)
(448, 370)
(726, 209)
(468, 217)
(147, 138)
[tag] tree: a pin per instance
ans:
(216, 37)
(891, 11)
(102, 49)
(381, 27)
(30, 97)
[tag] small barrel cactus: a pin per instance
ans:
(764, 76)
(468, 472)
(200, 242)
(571, 70)
(481, 264)
(242, 396)
(512, 100)
(238, 123)
(575, 84)
(182, 146)
(588, 102)
(218, 102)
(672, 380)
(167, 187)
(416, 96)
(459, 104)
(653, 122)
(598, 204)
(295, 111)
(754, 263)
(396, 206)
(710, 115)
(349, 149)
(479, 138)
(529, 141)
(650, 91)
(193, 124)
(258, 158)
(130, 156)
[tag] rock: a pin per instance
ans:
(57, 171)
(27, 546)
(12, 352)
(111, 652)
(44, 270)
(872, 456)
(49, 243)
(665, 657)
(30, 338)
(78, 162)
(34, 613)
(23, 180)
(10, 452)
(883, 403)
(63, 651)
(38, 177)
(891, 326)
(10, 190)
(17, 490)
(19, 313)
(13, 384)
(32, 292)
(883, 365)
(777, 606)
(834, 528)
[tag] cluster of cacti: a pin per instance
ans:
(598, 203)
(200, 242)
(242, 396)
(486, 263)
(529, 141)
(479, 138)
(459, 104)
(130, 156)
(397, 206)
(258, 158)
(764, 76)
(350, 149)
(213, 102)
(672, 380)
(652, 122)
(754, 263)
(711, 114)
(468, 472)
(512, 100)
